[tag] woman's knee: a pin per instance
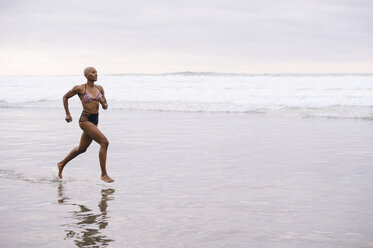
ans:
(104, 142)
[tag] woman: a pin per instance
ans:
(91, 96)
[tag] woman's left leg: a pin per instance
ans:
(85, 141)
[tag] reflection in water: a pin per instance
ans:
(87, 231)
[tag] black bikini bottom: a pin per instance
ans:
(85, 116)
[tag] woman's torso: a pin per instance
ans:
(90, 96)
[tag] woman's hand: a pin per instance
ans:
(103, 103)
(68, 118)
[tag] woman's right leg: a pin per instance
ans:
(93, 132)
(85, 141)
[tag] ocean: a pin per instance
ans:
(199, 160)
(320, 95)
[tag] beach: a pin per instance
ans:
(187, 179)
(229, 124)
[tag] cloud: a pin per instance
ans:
(190, 34)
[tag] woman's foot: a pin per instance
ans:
(60, 168)
(107, 179)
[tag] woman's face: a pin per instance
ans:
(91, 74)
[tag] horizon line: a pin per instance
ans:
(195, 73)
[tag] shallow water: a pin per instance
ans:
(187, 180)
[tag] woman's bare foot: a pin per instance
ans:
(60, 168)
(107, 179)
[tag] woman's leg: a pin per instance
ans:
(85, 141)
(92, 131)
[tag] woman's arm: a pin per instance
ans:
(103, 99)
(65, 98)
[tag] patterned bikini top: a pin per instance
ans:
(88, 98)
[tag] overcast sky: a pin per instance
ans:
(158, 36)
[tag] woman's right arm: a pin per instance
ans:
(65, 98)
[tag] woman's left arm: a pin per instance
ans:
(103, 98)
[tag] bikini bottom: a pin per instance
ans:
(85, 116)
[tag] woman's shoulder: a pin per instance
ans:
(99, 87)
(79, 88)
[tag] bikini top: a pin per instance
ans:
(88, 98)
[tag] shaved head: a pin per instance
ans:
(90, 73)
(88, 69)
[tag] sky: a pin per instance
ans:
(40, 37)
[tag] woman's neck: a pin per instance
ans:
(90, 83)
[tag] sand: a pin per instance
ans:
(187, 180)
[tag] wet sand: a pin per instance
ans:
(187, 180)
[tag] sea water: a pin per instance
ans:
(195, 163)
(323, 95)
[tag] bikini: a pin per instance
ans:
(87, 98)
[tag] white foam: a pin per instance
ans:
(332, 96)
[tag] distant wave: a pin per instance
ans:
(333, 112)
(229, 74)
(309, 95)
